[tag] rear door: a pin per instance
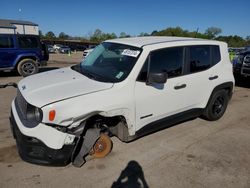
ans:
(201, 74)
(30, 45)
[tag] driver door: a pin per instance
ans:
(156, 101)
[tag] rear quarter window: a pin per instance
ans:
(216, 57)
(28, 42)
(199, 58)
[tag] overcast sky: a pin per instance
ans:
(79, 17)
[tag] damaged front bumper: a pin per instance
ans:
(35, 151)
(45, 145)
(42, 144)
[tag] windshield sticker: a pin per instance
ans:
(132, 53)
(119, 75)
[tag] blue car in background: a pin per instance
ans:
(22, 53)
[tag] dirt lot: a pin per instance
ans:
(196, 153)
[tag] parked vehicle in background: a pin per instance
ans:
(241, 64)
(126, 88)
(57, 47)
(87, 52)
(64, 49)
(23, 53)
(51, 49)
(77, 47)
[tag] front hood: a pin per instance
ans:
(49, 87)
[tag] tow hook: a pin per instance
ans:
(10, 84)
(84, 144)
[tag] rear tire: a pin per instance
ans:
(216, 106)
(27, 67)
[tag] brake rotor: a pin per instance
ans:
(102, 147)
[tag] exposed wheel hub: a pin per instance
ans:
(102, 147)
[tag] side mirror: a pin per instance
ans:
(157, 78)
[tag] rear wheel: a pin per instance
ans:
(102, 147)
(27, 67)
(217, 106)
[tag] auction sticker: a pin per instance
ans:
(132, 53)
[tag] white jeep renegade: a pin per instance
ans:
(125, 88)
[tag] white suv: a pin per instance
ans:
(125, 88)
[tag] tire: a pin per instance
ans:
(216, 106)
(27, 67)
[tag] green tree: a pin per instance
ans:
(232, 41)
(171, 31)
(212, 32)
(62, 35)
(96, 37)
(50, 35)
(154, 33)
(123, 35)
(142, 34)
(99, 36)
(248, 40)
(41, 34)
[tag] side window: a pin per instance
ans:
(6, 42)
(215, 54)
(28, 42)
(199, 59)
(168, 60)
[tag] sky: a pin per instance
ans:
(81, 18)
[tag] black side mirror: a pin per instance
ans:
(157, 78)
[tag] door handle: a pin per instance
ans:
(180, 86)
(213, 77)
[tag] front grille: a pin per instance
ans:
(246, 71)
(246, 64)
(21, 104)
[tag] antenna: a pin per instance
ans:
(196, 32)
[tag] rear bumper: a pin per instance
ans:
(35, 151)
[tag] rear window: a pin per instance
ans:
(28, 42)
(6, 42)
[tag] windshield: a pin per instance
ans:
(110, 62)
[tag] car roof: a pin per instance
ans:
(150, 40)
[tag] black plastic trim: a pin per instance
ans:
(146, 116)
(227, 85)
(167, 122)
(213, 77)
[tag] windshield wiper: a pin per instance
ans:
(88, 74)
(91, 75)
